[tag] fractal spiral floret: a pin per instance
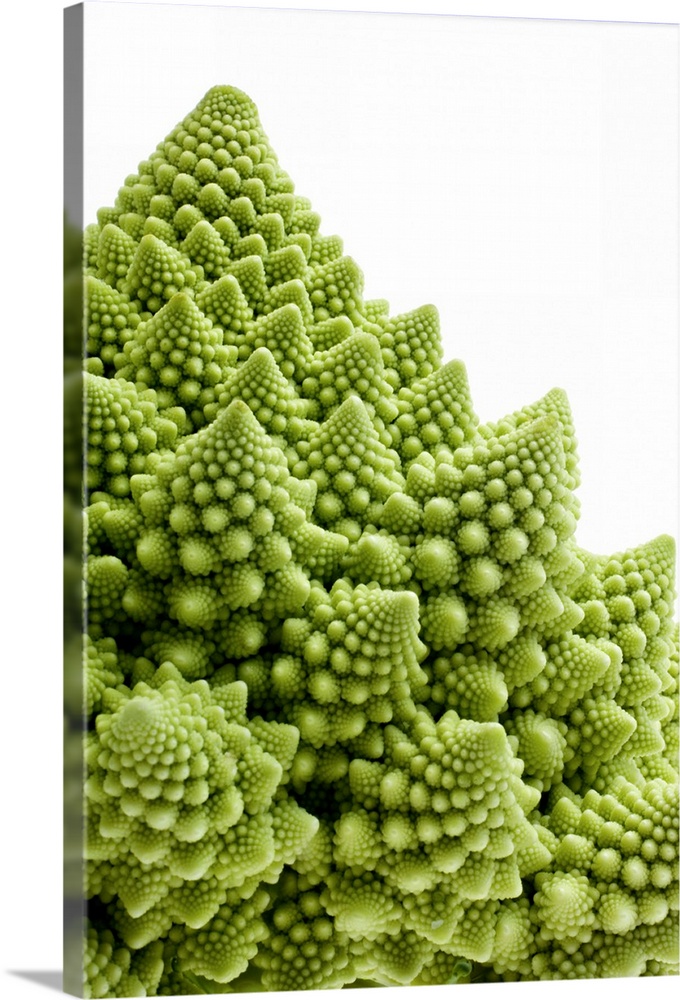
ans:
(360, 709)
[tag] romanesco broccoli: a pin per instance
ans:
(359, 707)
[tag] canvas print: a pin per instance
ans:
(359, 707)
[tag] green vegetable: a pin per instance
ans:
(360, 709)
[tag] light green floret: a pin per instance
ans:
(106, 579)
(336, 288)
(573, 667)
(87, 244)
(111, 321)
(436, 563)
(521, 660)
(283, 333)
(514, 933)
(540, 742)
(660, 942)
(628, 601)
(111, 970)
(555, 402)
(444, 814)
(225, 305)
(287, 263)
(180, 801)
(221, 527)
(497, 520)
(324, 249)
(221, 949)
(564, 906)
(403, 516)
(315, 862)
(645, 951)
(192, 653)
(444, 621)
(376, 310)
(222, 142)
(249, 272)
(353, 470)
(377, 556)
(162, 228)
(157, 272)
(100, 671)
(433, 913)
(177, 352)
(203, 244)
(352, 662)
(624, 846)
(492, 623)
(420, 479)
(599, 730)
(261, 384)
(354, 367)
(363, 905)
(669, 724)
(604, 956)
(474, 934)
(294, 293)
(617, 911)
(410, 343)
(516, 515)
(304, 220)
(112, 522)
(243, 634)
(392, 959)
(469, 682)
(122, 428)
(443, 969)
(329, 332)
(304, 949)
(115, 254)
(436, 412)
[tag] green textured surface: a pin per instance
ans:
(360, 708)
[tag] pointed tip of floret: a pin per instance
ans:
(238, 410)
(663, 543)
(352, 407)
(406, 603)
(227, 90)
(262, 356)
(557, 395)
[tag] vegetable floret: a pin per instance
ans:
(360, 709)
(180, 802)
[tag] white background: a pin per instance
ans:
(520, 175)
